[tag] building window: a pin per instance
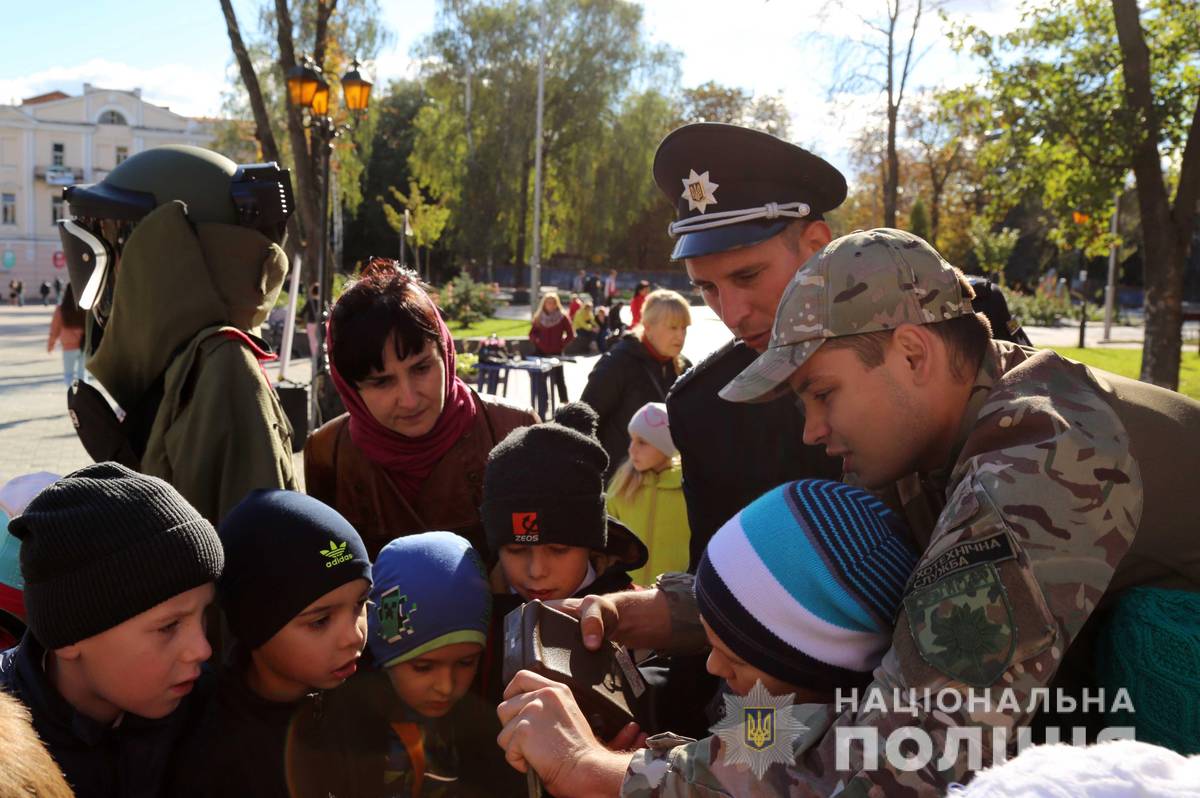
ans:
(8, 208)
(122, 154)
(112, 118)
(57, 150)
(56, 210)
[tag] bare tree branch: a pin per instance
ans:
(262, 123)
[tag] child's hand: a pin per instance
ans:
(597, 616)
(629, 738)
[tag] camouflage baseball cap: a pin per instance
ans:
(867, 281)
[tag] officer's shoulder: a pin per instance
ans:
(716, 370)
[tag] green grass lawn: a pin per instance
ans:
(1128, 363)
(503, 328)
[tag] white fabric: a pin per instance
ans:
(1117, 769)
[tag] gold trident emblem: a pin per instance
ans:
(760, 732)
(697, 191)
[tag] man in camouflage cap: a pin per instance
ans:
(1038, 490)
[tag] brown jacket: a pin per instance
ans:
(337, 473)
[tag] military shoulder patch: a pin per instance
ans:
(962, 623)
(994, 548)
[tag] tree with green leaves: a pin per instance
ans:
(1086, 92)
(712, 102)
(475, 141)
(425, 222)
(992, 248)
(368, 232)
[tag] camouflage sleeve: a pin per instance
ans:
(679, 767)
(687, 635)
(1045, 503)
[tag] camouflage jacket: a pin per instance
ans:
(1035, 517)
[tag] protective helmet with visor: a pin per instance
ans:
(214, 189)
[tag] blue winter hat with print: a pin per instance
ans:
(805, 582)
(283, 551)
(430, 591)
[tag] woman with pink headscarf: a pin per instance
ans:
(409, 453)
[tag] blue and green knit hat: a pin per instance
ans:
(430, 591)
(804, 583)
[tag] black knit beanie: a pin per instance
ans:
(545, 484)
(283, 551)
(104, 544)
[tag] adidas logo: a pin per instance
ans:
(336, 553)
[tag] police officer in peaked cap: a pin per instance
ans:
(749, 211)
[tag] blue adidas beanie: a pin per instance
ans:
(283, 551)
(805, 582)
(430, 591)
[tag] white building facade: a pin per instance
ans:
(56, 140)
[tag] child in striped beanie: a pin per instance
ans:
(799, 590)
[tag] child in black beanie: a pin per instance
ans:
(545, 517)
(295, 594)
(118, 570)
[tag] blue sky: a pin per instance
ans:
(178, 53)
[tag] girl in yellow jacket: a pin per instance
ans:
(646, 494)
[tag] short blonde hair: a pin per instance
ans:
(666, 306)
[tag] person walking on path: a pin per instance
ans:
(66, 327)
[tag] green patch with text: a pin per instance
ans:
(963, 625)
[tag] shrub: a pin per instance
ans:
(1041, 309)
(465, 366)
(465, 301)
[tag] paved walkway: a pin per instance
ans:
(36, 434)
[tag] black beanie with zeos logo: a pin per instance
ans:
(283, 551)
(545, 484)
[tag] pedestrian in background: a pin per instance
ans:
(639, 368)
(66, 327)
(638, 301)
(551, 332)
(44, 292)
(610, 286)
(646, 494)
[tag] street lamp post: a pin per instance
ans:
(310, 92)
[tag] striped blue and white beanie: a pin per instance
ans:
(804, 583)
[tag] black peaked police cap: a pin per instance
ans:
(735, 187)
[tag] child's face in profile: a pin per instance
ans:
(547, 571)
(317, 650)
(741, 675)
(145, 665)
(432, 683)
(645, 456)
